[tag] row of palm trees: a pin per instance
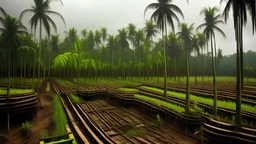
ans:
(12, 29)
(164, 15)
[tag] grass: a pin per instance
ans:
(128, 89)
(65, 83)
(221, 103)
(59, 116)
(3, 91)
(161, 103)
(76, 98)
(48, 88)
(44, 134)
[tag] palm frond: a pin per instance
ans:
(151, 6)
(57, 14)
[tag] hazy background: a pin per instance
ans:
(115, 14)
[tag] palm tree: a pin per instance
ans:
(219, 57)
(185, 34)
(240, 18)
(139, 39)
(150, 31)
(195, 46)
(163, 15)
(123, 41)
(210, 25)
(84, 34)
(131, 28)
(202, 42)
(112, 46)
(53, 48)
(71, 36)
(174, 50)
(90, 44)
(41, 12)
(11, 29)
(104, 35)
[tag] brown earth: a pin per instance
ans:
(42, 120)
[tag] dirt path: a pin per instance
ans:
(41, 121)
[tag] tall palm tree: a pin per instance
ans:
(123, 41)
(219, 57)
(112, 45)
(195, 46)
(174, 50)
(71, 36)
(185, 34)
(97, 39)
(164, 14)
(150, 31)
(104, 35)
(210, 26)
(90, 44)
(53, 48)
(131, 28)
(240, 18)
(41, 11)
(84, 34)
(10, 29)
(202, 42)
(139, 39)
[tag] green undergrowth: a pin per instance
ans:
(250, 86)
(44, 134)
(65, 83)
(75, 98)
(3, 91)
(174, 107)
(59, 116)
(128, 89)
(48, 88)
(221, 103)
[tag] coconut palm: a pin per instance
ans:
(54, 45)
(41, 12)
(185, 34)
(131, 28)
(210, 26)
(219, 57)
(104, 35)
(90, 44)
(10, 29)
(164, 14)
(174, 50)
(150, 31)
(240, 18)
(202, 42)
(112, 46)
(123, 41)
(139, 39)
(71, 36)
(84, 34)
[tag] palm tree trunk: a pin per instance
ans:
(214, 79)
(187, 83)
(241, 56)
(202, 65)
(8, 88)
(238, 76)
(21, 70)
(165, 60)
(39, 57)
(175, 68)
(49, 62)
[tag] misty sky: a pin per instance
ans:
(115, 14)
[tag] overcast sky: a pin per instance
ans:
(115, 14)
